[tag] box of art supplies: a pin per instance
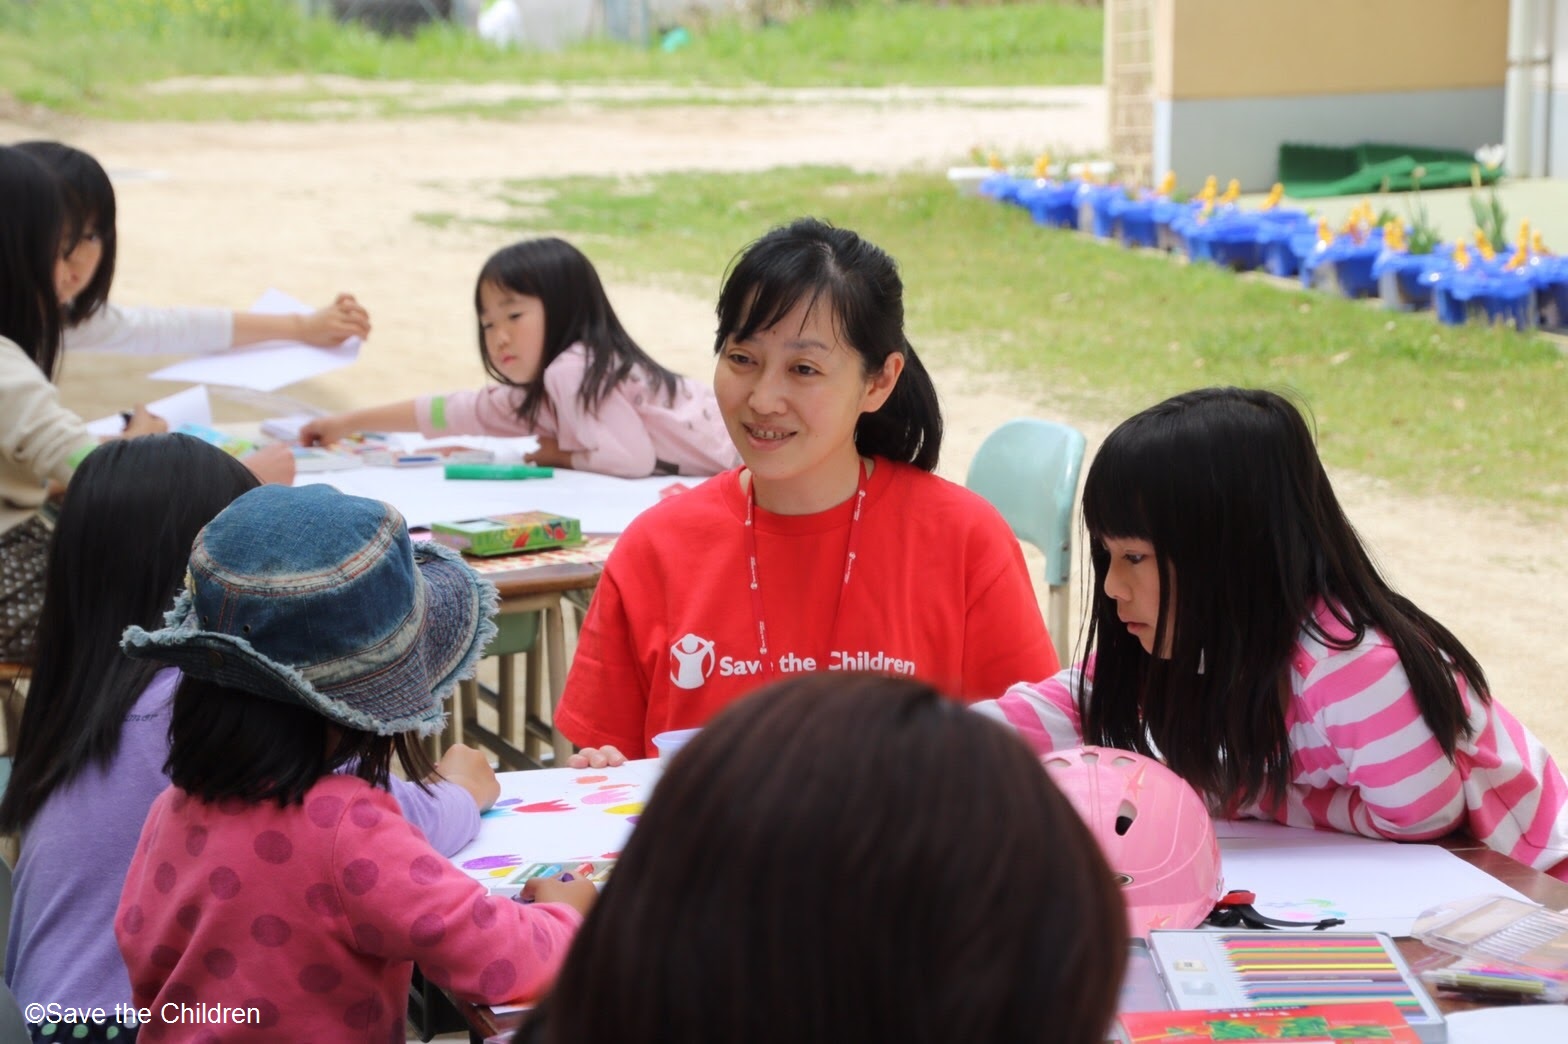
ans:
(1508, 949)
(1373, 1022)
(230, 444)
(1230, 971)
(505, 534)
(595, 870)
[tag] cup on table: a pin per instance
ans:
(668, 744)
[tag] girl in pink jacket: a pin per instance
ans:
(569, 374)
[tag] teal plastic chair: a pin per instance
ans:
(1028, 470)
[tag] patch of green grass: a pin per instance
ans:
(92, 56)
(1105, 331)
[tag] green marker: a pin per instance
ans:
(497, 471)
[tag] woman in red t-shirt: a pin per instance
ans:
(833, 548)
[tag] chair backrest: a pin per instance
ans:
(1028, 470)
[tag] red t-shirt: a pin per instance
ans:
(939, 591)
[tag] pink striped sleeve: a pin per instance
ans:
(1368, 761)
(1044, 714)
(1515, 795)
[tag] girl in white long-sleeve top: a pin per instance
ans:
(94, 323)
(568, 373)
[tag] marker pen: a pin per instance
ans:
(497, 471)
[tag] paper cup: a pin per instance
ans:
(668, 744)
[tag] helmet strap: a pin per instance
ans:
(1236, 910)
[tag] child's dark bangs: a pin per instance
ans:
(1113, 504)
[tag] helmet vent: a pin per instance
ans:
(1121, 879)
(1124, 818)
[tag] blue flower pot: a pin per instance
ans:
(1051, 203)
(1405, 281)
(1134, 220)
(1165, 214)
(1003, 188)
(1489, 296)
(1094, 209)
(1551, 292)
(1274, 242)
(1343, 266)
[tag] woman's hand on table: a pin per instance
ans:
(273, 463)
(596, 757)
(469, 769)
(579, 895)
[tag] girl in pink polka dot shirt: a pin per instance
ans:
(271, 898)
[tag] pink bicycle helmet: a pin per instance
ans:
(1154, 830)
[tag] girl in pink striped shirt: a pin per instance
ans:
(1240, 630)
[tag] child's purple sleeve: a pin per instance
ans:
(445, 814)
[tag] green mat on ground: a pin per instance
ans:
(1312, 171)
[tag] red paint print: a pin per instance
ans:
(553, 805)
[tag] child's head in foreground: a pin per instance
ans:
(312, 633)
(849, 857)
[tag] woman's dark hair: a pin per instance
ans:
(848, 857)
(811, 260)
(228, 744)
(88, 196)
(576, 310)
(1227, 485)
(117, 558)
(31, 231)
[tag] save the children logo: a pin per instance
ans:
(691, 661)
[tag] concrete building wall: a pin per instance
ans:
(1234, 79)
(1550, 107)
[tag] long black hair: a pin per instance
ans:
(848, 857)
(1227, 486)
(88, 196)
(31, 232)
(812, 260)
(117, 558)
(226, 744)
(576, 309)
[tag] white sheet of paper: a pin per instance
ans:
(190, 406)
(1376, 886)
(1525, 1024)
(424, 495)
(269, 365)
(555, 815)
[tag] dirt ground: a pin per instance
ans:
(215, 213)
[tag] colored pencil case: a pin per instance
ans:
(506, 534)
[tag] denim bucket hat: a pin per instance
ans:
(310, 596)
